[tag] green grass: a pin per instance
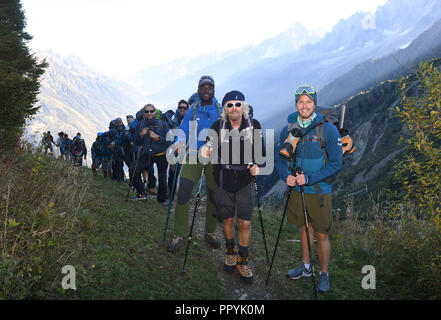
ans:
(59, 215)
(123, 257)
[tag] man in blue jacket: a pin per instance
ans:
(203, 113)
(150, 136)
(175, 123)
(316, 167)
(120, 139)
(101, 155)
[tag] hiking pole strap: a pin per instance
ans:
(320, 195)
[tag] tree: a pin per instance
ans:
(419, 172)
(20, 73)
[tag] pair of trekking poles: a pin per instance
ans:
(305, 216)
(198, 196)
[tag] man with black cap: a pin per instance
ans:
(203, 113)
(234, 176)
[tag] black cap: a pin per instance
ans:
(233, 95)
(206, 80)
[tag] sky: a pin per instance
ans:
(125, 36)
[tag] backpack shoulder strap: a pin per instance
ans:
(218, 109)
(194, 111)
(321, 139)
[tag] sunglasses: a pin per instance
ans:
(237, 105)
(182, 108)
(305, 90)
(149, 111)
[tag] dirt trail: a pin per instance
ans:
(235, 287)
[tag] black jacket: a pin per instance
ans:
(235, 175)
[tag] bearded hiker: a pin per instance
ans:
(203, 113)
(235, 178)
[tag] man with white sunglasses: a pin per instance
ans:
(234, 173)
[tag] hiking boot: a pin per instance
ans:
(299, 271)
(211, 239)
(323, 284)
(242, 266)
(138, 197)
(175, 244)
(230, 259)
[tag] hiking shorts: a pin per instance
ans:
(243, 200)
(319, 218)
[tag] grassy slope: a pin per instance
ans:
(122, 257)
(116, 250)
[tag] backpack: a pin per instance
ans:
(331, 116)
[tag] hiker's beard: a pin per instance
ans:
(234, 116)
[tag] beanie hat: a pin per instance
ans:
(306, 90)
(206, 80)
(233, 95)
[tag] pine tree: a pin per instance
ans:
(20, 73)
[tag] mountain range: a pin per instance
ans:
(75, 98)
(356, 55)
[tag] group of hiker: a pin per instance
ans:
(140, 145)
(315, 156)
(311, 154)
(73, 150)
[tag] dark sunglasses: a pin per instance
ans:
(182, 108)
(237, 105)
(149, 111)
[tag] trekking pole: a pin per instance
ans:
(261, 220)
(343, 111)
(198, 197)
(278, 236)
(305, 215)
(171, 200)
(134, 170)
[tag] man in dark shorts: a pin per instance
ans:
(234, 176)
(315, 167)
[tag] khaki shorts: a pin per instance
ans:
(319, 218)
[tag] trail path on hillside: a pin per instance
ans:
(236, 289)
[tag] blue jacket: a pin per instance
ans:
(206, 116)
(310, 156)
(120, 138)
(149, 145)
(100, 149)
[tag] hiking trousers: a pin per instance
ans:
(190, 175)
